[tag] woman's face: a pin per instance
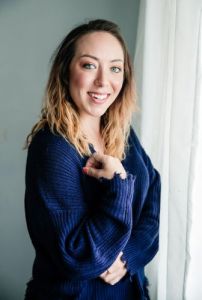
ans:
(96, 73)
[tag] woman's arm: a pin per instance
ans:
(144, 240)
(80, 244)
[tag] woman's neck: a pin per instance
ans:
(91, 129)
(90, 126)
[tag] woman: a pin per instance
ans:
(92, 195)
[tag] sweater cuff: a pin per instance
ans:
(119, 186)
(119, 194)
(117, 178)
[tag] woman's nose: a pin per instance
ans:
(101, 78)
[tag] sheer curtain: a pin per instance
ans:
(168, 67)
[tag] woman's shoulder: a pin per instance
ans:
(47, 141)
(133, 140)
(135, 147)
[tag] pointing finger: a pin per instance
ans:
(97, 173)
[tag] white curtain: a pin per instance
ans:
(168, 68)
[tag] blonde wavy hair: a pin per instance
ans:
(60, 112)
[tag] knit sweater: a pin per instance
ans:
(79, 224)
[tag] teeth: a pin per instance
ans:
(99, 96)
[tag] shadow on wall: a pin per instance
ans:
(5, 294)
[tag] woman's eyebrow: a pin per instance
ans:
(96, 58)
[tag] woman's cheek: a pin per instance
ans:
(118, 85)
(83, 81)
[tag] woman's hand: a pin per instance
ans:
(116, 272)
(100, 165)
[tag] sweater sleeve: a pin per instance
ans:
(81, 244)
(144, 240)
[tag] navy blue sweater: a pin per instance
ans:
(78, 224)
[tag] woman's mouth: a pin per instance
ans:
(98, 97)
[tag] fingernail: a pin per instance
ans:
(85, 170)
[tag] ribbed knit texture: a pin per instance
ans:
(78, 224)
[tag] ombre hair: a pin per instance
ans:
(62, 115)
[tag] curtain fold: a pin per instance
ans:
(166, 66)
(193, 266)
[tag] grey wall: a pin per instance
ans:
(29, 33)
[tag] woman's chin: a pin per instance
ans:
(97, 113)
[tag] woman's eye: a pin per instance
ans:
(116, 69)
(89, 66)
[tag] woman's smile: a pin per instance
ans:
(98, 98)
